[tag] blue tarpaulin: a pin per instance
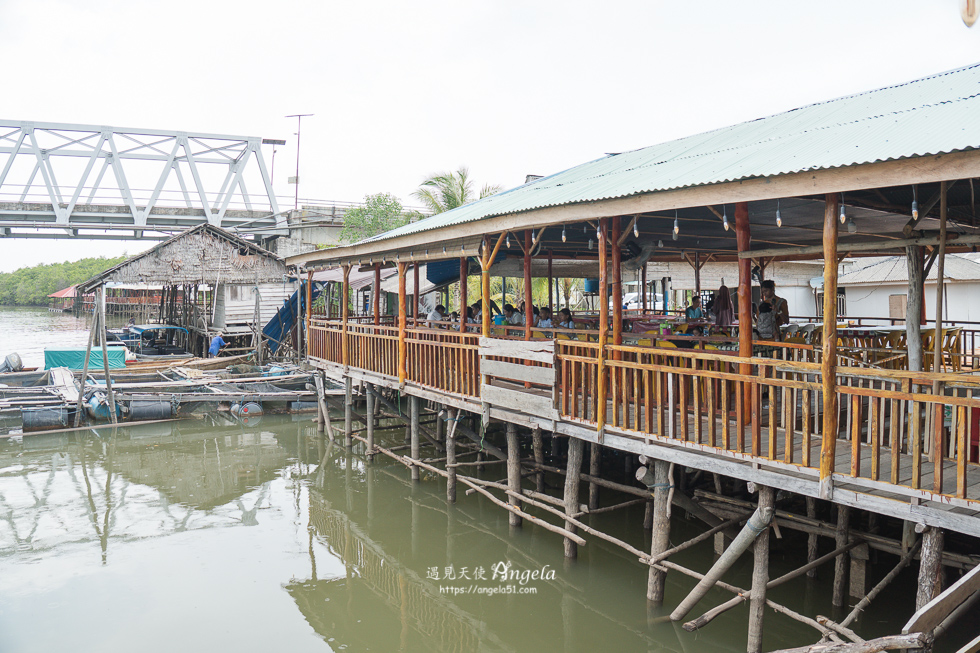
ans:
(285, 319)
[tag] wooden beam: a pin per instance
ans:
(624, 236)
(864, 246)
(933, 613)
(828, 365)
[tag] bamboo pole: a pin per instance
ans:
(828, 366)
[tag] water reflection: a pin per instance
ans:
(206, 527)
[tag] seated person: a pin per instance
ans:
(438, 314)
(565, 319)
(512, 317)
(766, 323)
(544, 319)
(470, 316)
(694, 311)
(454, 317)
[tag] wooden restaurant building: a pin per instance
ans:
(878, 421)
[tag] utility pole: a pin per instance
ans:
(299, 123)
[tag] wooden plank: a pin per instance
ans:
(933, 612)
(523, 401)
(542, 351)
(532, 374)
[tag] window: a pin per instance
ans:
(896, 306)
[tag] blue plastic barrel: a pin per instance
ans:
(591, 285)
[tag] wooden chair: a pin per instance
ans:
(951, 349)
(928, 343)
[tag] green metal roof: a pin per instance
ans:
(933, 115)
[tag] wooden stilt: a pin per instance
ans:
(537, 443)
(859, 576)
(369, 415)
(595, 462)
(100, 299)
(863, 603)
(513, 471)
(413, 409)
(348, 411)
(828, 368)
(760, 575)
(574, 467)
(930, 567)
(840, 565)
(451, 460)
(811, 539)
(660, 538)
(648, 516)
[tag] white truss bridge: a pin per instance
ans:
(61, 180)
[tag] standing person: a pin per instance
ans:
(779, 306)
(217, 342)
(724, 309)
(694, 311)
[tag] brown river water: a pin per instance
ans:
(207, 535)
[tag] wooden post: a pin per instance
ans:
(369, 415)
(930, 567)
(537, 443)
(376, 302)
(348, 412)
(528, 297)
(572, 471)
(859, 576)
(595, 461)
(309, 307)
(344, 314)
(486, 262)
(643, 282)
(617, 285)
(743, 240)
(551, 282)
(840, 564)
(417, 293)
(811, 540)
(660, 537)
(402, 328)
(513, 472)
(413, 414)
(936, 450)
(914, 307)
(79, 408)
(760, 575)
(463, 271)
(100, 299)
(828, 366)
(697, 273)
(603, 328)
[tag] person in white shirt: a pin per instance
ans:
(513, 317)
(544, 319)
(437, 315)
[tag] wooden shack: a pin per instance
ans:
(211, 280)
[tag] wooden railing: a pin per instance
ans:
(444, 360)
(893, 427)
(325, 340)
(373, 348)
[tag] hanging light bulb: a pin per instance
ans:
(636, 229)
(843, 213)
(674, 235)
(563, 236)
(915, 204)
(598, 232)
(851, 227)
(532, 235)
(779, 218)
(724, 217)
(677, 226)
(590, 243)
(508, 240)
(585, 228)
(660, 243)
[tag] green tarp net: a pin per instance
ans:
(74, 359)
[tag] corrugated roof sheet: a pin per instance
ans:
(894, 269)
(932, 115)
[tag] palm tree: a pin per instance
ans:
(450, 190)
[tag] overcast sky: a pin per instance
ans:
(402, 90)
